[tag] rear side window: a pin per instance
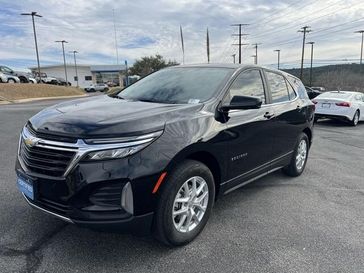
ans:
(299, 87)
(278, 87)
(248, 83)
(291, 92)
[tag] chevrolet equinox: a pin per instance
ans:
(156, 156)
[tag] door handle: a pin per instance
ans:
(268, 115)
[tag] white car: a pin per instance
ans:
(97, 87)
(3, 77)
(343, 105)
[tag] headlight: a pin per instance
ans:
(113, 148)
(114, 153)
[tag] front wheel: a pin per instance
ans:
(299, 159)
(11, 81)
(185, 203)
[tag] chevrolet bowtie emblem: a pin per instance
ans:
(30, 142)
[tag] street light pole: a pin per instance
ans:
(64, 58)
(34, 13)
(361, 51)
(311, 43)
(74, 57)
(279, 56)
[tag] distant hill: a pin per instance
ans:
(333, 77)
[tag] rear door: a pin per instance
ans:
(289, 115)
(251, 140)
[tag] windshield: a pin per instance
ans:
(178, 85)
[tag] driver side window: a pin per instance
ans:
(248, 83)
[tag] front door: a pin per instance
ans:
(250, 143)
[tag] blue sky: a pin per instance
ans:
(152, 27)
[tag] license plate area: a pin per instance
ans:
(26, 185)
(325, 105)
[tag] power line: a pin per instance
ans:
(270, 32)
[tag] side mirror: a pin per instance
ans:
(243, 102)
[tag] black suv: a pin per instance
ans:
(156, 156)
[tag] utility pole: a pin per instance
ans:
(304, 30)
(116, 42)
(311, 43)
(256, 52)
(255, 58)
(34, 13)
(233, 57)
(279, 56)
(240, 35)
(361, 51)
(74, 57)
(64, 58)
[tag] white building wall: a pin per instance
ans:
(58, 72)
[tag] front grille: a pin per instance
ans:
(45, 161)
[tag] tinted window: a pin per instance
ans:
(278, 87)
(248, 83)
(88, 78)
(299, 87)
(179, 85)
(291, 92)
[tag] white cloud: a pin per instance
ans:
(88, 26)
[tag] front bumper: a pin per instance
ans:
(138, 225)
(93, 203)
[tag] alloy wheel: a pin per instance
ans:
(190, 204)
(301, 154)
(356, 118)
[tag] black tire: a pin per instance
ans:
(164, 228)
(292, 169)
(23, 80)
(92, 90)
(355, 119)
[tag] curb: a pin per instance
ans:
(6, 101)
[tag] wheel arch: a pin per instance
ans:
(204, 157)
(308, 132)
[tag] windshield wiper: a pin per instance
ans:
(148, 100)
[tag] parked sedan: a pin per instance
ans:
(97, 87)
(312, 93)
(343, 105)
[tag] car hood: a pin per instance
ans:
(104, 116)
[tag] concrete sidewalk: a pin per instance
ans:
(6, 101)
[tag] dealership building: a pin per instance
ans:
(87, 74)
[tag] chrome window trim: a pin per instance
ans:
(81, 148)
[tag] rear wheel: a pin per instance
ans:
(11, 81)
(355, 119)
(23, 80)
(299, 159)
(185, 203)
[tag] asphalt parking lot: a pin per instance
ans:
(313, 223)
